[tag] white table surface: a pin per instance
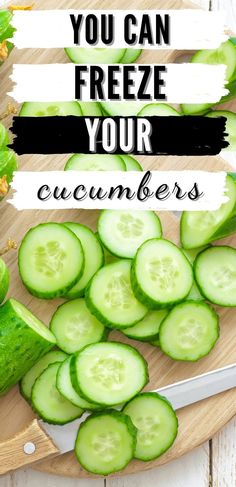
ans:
(211, 465)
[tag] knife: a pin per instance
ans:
(41, 440)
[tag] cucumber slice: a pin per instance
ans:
(196, 108)
(190, 331)
(198, 228)
(147, 329)
(4, 280)
(95, 162)
(51, 260)
(90, 109)
(8, 164)
(93, 55)
(23, 340)
(64, 386)
(131, 163)
(50, 109)
(75, 327)
(105, 442)
(155, 343)
(108, 373)
(191, 255)
(215, 273)
(130, 56)
(93, 257)
(161, 274)
(110, 297)
(129, 230)
(158, 109)
(156, 422)
(4, 137)
(225, 54)
(122, 108)
(230, 127)
(47, 401)
(30, 377)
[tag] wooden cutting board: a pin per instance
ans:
(198, 422)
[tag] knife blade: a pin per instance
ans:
(180, 394)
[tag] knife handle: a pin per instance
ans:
(29, 446)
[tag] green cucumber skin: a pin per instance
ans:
(146, 339)
(21, 347)
(201, 303)
(159, 396)
(5, 281)
(47, 295)
(121, 417)
(144, 298)
(75, 381)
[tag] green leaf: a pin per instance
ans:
(5, 19)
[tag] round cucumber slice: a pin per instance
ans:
(197, 228)
(64, 386)
(158, 109)
(130, 56)
(105, 442)
(93, 55)
(51, 260)
(129, 230)
(189, 332)
(50, 109)
(108, 373)
(215, 273)
(23, 340)
(156, 423)
(95, 162)
(75, 327)
(131, 163)
(4, 137)
(93, 257)
(161, 274)
(225, 54)
(90, 109)
(30, 377)
(110, 297)
(47, 401)
(230, 127)
(121, 108)
(147, 329)
(196, 108)
(4, 280)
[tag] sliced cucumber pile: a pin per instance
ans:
(147, 329)
(215, 273)
(90, 109)
(161, 274)
(130, 56)
(4, 280)
(131, 163)
(198, 228)
(189, 331)
(129, 230)
(230, 127)
(75, 327)
(106, 442)
(50, 109)
(47, 400)
(158, 109)
(108, 373)
(156, 423)
(80, 55)
(95, 162)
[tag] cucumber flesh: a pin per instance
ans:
(108, 373)
(197, 228)
(130, 56)
(4, 280)
(51, 260)
(191, 255)
(215, 273)
(230, 127)
(50, 109)
(93, 55)
(161, 274)
(47, 401)
(23, 340)
(189, 331)
(225, 54)
(105, 442)
(90, 109)
(120, 108)
(156, 422)
(75, 327)
(93, 257)
(111, 299)
(30, 377)
(64, 386)
(131, 163)
(196, 108)
(158, 109)
(129, 230)
(95, 162)
(147, 329)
